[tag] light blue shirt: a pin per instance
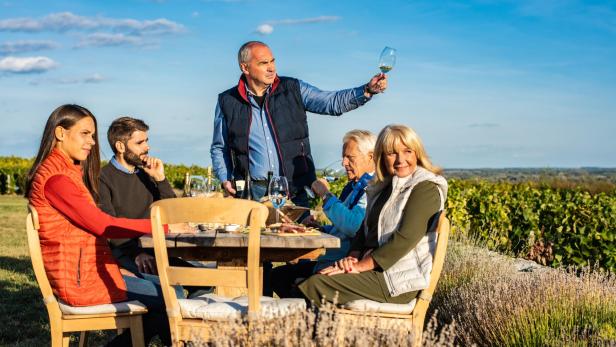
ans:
(263, 154)
(345, 224)
(119, 166)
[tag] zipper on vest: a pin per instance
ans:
(79, 269)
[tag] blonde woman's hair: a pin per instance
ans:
(365, 140)
(388, 140)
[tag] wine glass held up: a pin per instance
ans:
(387, 60)
(278, 192)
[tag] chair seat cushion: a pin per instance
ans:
(379, 307)
(117, 307)
(214, 307)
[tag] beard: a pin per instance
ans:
(133, 158)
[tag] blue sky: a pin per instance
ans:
(485, 83)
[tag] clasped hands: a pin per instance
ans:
(350, 264)
(344, 265)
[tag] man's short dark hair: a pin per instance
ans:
(121, 130)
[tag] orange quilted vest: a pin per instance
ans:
(79, 264)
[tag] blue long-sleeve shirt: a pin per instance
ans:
(346, 221)
(263, 155)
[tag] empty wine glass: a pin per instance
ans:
(387, 60)
(278, 192)
(198, 186)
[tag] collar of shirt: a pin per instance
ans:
(252, 95)
(119, 166)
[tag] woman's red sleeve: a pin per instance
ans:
(64, 195)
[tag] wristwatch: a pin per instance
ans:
(367, 90)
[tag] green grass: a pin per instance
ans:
(24, 318)
(487, 299)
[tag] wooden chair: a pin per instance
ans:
(414, 318)
(195, 319)
(64, 319)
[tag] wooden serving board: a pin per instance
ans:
(307, 233)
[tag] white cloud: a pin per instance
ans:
(67, 21)
(95, 78)
(26, 64)
(265, 29)
(268, 27)
(106, 39)
(26, 46)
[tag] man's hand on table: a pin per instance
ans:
(146, 263)
(228, 187)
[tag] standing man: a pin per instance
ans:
(260, 125)
(128, 185)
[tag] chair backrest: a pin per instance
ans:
(208, 210)
(34, 245)
(425, 296)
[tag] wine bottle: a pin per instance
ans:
(270, 174)
(187, 184)
(247, 192)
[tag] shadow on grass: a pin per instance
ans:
(24, 317)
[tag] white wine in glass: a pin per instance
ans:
(387, 60)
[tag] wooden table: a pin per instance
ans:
(232, 247)
(229, 250)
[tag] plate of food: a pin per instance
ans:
(290, 229)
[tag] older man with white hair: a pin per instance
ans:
(346, 212)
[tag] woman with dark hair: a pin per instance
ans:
(63, 187)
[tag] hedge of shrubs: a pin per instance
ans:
(553, 226)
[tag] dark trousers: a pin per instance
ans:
(148, 291)
(284, 277)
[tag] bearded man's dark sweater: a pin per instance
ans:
(129, 195)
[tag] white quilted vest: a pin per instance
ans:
(411, 272)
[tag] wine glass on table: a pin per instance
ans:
(278, 191)
(387, 60)
(198, 186)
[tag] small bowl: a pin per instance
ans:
(232, 228)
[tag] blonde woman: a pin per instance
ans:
(391, 258)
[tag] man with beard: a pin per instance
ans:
(128, 185)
